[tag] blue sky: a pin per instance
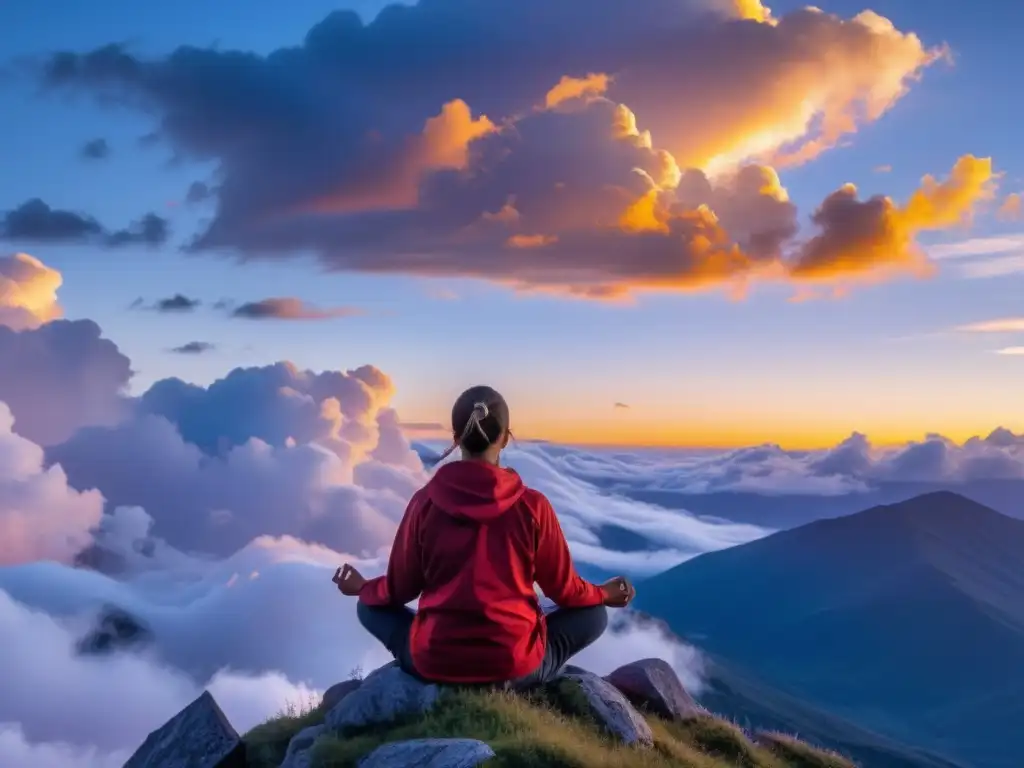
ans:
(693, 368)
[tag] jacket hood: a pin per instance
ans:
(475, 490)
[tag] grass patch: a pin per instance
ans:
(547, 728)
(522, 730)
(721, 739)
(266, 744)
(564, 696)
(798, 754)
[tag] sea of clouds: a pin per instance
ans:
(216, 516)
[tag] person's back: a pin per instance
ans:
(471, 545)
(485, 540)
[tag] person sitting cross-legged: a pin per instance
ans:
(471, 546)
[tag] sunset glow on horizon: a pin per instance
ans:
(636, 427)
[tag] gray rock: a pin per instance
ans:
(337, 692)
(428, 753)
(199, 736)
(612, 710)
(386, 695)
(300, 747)
(382, 670)
(652, 683)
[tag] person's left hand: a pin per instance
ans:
(349, 580)
(618, 592)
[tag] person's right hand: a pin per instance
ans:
(349, 580)
(618, 592)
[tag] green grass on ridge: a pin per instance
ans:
(547, 729)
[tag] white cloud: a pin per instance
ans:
(977, 246)
(271, 450)
(983, 257)
(60, 377)
(1001, 325)
(642, 641)
(41, 518)
(993, 267)
(16, 751)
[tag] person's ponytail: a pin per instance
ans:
(481, 431)
(479, 420)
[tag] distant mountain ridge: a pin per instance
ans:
(790, 510)
(905, 619)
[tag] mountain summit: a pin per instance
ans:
(639, 715)
(906, 619)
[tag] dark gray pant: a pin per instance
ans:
(570, 630)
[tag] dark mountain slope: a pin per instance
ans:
(741, 697)
(784, 511)
(906, 619)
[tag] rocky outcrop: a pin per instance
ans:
(199, 736)
(653, 685)
(386, 695)
(389, 695)
(612, 710)
(301, 746)
(429, 753)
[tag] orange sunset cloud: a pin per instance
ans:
(781, 110)
(28, 292)
(597, 171)
(1012, 207)
(575, 88)
(753, 10)
(876, 235)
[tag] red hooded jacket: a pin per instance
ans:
(471, 545)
